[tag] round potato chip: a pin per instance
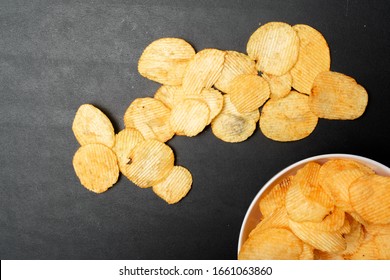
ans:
(203, 70)
(165, 60)
(150, 162)
(125, 141)
(275, 47)
(313, 58)
(248, 92)
(288, 118)
(275, 197)
(280, 86)
(91, 126)
(370, 197)
(175, 186)
(189, 117)
(166, 94)
(271, 244)
(96, 166)
(235, 64)
(336, 96)
(150, 117)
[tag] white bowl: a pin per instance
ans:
(253, 215)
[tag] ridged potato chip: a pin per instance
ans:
(377, 229)
(125, 141)
(275, 47)
(150, 117)
(203, 70)
(382, 242)
(277, 219)
(235, 64)
(313, 58)
(280, 86)
(92, 126)
(271, 244)
(368, 250)
(175, 186)
(165, 60)
(96, 166)
(307, 252)
(248, 92)
(332, 222)
(288, 118)
(150, 162)
(189, 117)
(336, 96)
(166, 94)
(275, 197)
(355, 237)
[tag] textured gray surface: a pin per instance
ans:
(57, 55)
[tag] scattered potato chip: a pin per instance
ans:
(275, 47)
(165, 60)
(150, 162)
(235, 64)
(313, 58)
(336, 96)
(175, 186)
(166, 94)
(125, 141)
(280, 86)
(150, 117)
(96, 166)
(275, 197)
(288, 118)
(91, 126)
(203, 70)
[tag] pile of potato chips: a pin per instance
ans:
(334, 211)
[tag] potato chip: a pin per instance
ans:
(189, 117)
(96, 166)
(377, 229)
(319, 255)
(355, 237)
(125, 141)
(288, 118)
(150, 162)
(233, 126)
(271, 244)
(248, 92)
(235, 64)
(280, 86)
(175, 186)
(165, 60)
(91, 126)
(370, 197)
(307, 252)
(275, 197)
(277, 219)
(382, 242)
(203, 70)
(368, 250)
(332, 222)
(336, 96)
(166, 94)
(275, 47)
(150, 117)
(313, 58)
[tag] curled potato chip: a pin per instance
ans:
(166, 94)
(370, 197)
(92, 126)
(275, 47)
(175, 186)
(277, 219)
(332, 222)
(275, 197)
(288, 118)
(125, 141)
(96, 166)
(271, 244)
(189, 117)
(280, 86)
(336, 96)
(203, 70)
(313, 58)
(150, 117)
(248, 92)
(150, 162)
(165, 60)
(235, 64)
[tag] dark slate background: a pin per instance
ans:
(57, 55)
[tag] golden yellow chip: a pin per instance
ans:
(377, 229)
(233, 126)
(332, 222)
(91, 126)
(203, 70)
(275, 47)
(313, 58)
(382, 242)
(235, 64)
(189, 117)
(368, 250)
(96, 166)
(275, 197)
(288, 118)
(355, 237)
(277, 219)
(248, 92)
(150, 162)
(271, 244)
(319, 255)
(166, 94)
(165, 60)
(150, 117)
(175, 186)
(280, 86)
(125, 141)
(307, 252)
(336, 96)
(370, 197)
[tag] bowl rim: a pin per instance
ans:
(271, 181)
